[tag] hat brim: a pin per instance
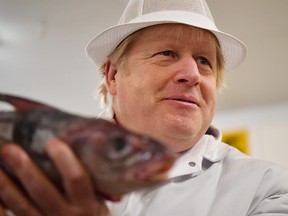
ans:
(234, 51)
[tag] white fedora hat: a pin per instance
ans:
(139, 14)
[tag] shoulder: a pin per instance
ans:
(268, 174)
(238, 158)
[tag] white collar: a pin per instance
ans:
(107, 114)
(208, 148)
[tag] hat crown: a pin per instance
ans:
(140, 14)
(138, 8)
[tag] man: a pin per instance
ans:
(161, 65)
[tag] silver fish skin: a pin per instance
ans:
(117, 160)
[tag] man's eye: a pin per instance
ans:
(167, 53)
(203, 61)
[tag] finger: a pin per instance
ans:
(14, 199)
(40, 189)
(76, 181)
(2, 210)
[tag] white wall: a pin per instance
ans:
(267, 128)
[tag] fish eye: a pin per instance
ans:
(118, 148)
(119, 144)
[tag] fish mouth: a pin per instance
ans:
(156, 173)
(153, 170)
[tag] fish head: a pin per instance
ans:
(139, 157)
(120, 161)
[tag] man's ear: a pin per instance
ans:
(110, 73)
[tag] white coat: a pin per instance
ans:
(213, 179)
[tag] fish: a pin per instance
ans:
(119, 161)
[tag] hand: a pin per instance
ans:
(44, 199)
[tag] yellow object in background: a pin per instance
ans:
(238, 139)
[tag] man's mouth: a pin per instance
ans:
(184, 99)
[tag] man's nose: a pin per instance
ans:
(187, 72)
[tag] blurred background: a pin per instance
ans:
(42, 57)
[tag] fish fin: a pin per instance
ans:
(23, 104)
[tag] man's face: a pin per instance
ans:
(167, 87)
